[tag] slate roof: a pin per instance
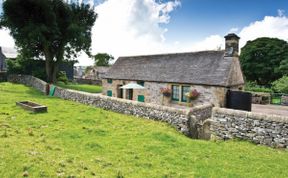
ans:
(203, 68)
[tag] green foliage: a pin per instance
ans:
(81, 87)
(75, 140)
(62, 77)
(281, 85)
(252, 86)
(103, 59)
(55, 29)
(27, 66)
(264, 60)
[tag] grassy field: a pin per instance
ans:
(81, 141)
(82, 87)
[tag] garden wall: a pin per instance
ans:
(29, 81)
(88, 81)
(263, 129)
(184, 120)
(260, 98)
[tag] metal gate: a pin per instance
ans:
(239, 100)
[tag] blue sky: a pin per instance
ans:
(137, 27)
(201, 18)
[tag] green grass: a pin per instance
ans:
(276, 100)
(78, 140)
(82, 87)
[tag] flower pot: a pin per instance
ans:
(166, 94)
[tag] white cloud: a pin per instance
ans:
(281, 12)
(131, 27)
(274, 27)
(6, 39)
(234, 30)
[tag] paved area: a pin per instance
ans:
(270, 109)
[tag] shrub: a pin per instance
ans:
(281, 85)
(252, 86)
(62, 77)
(20, 65)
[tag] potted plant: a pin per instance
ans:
(192, 95)
(165, 91)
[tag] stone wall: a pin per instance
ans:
(29, 81)
(185, 120)
(88, 81)
(263, 129)
(3, 76)
(176, 117)
(284, 100)
(260, 98)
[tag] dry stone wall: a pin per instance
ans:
(182, 119)
(263, 129)
(176, 117)
(29, 81)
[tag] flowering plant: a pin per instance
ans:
(165, 91)
(193, 94)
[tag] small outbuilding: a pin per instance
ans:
(5, 54)
(178, 79)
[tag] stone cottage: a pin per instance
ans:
(6, 53)
(210, 73)
(2, 61)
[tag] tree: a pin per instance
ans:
(264, 60)
(49, 29)
(103, 59)
(281, 85)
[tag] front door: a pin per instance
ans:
(119, 91)
(130, 94)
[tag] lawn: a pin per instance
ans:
(82, 87)
(75, 140)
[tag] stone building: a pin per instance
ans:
(6, 53)
(2, 61)
(210, 73)
(96, 72)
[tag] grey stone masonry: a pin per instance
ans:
(176, 117)
(263, 129)
(29, 81)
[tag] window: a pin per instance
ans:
(185, 89)
(175, 93)
(141, 83)
(109, 93)
(109, 80)
(141, 98)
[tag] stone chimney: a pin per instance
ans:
(231, 45)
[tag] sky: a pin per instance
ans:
(142, 27)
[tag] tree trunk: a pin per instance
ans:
(49, 65)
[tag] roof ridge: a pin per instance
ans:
(165, 54)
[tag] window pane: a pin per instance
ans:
(185, 89)
(140, 83)
(175, 92)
